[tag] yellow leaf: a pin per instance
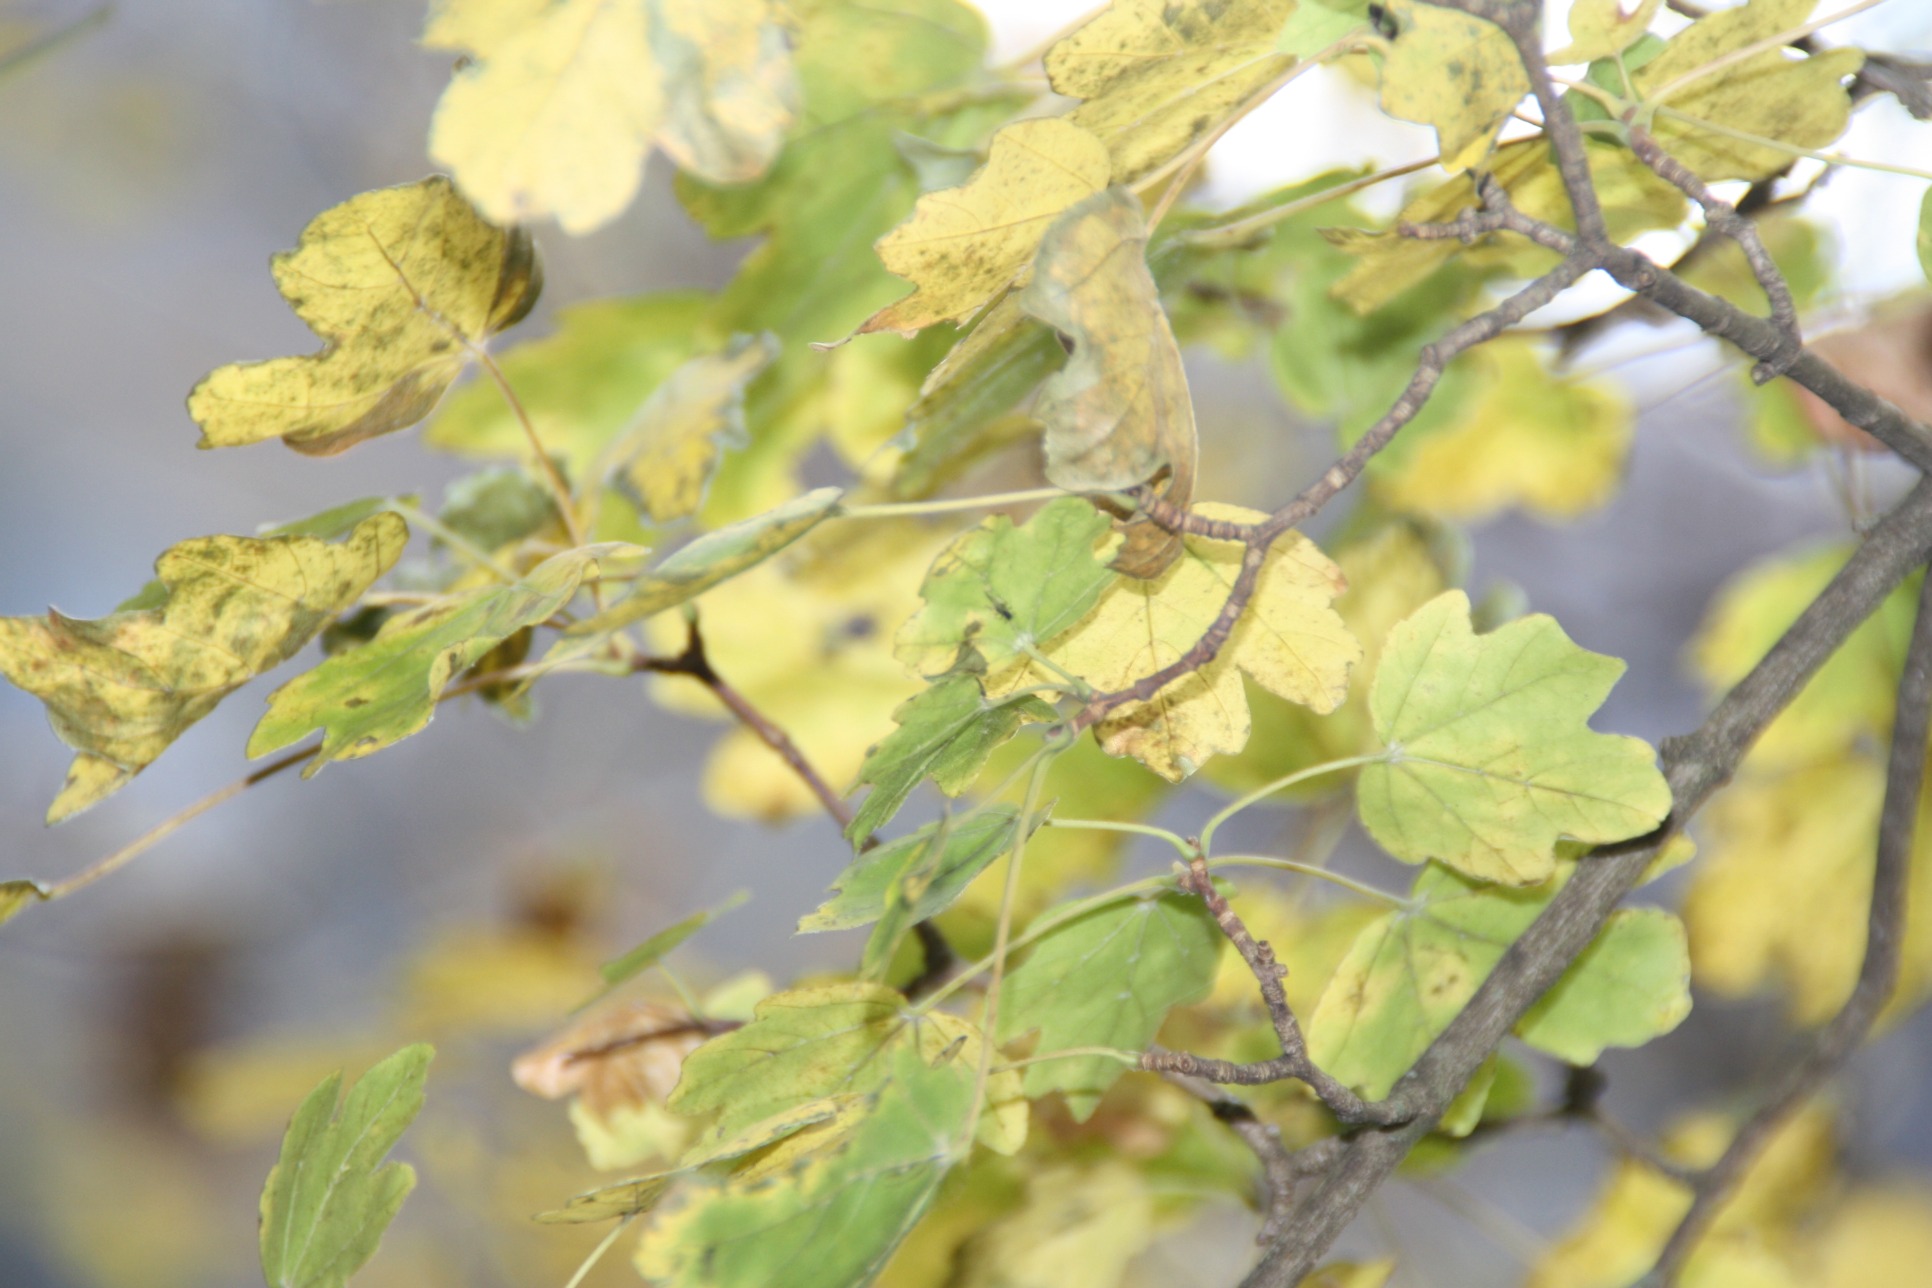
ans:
(1879, 1236)
(1457, 73)
(404, 284)
(669, 454)
(1351, 1274)
(1160, 74)
(1290, 641)
(1551, 445)
(1601, 28)
(1800, 102)
(1781, 897)
(827, 676)
(119, 689)
(1119, 413)
(963, 246)
(1078, 1228)
(558, 101)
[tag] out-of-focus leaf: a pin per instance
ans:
(493, 508)
(654, 949)
(119, 689)
(554, 106)
(404, 284)
(330, 1197)
(664, 462)
(1605, 28)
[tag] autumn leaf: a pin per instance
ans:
(1001, 589)
(667, 457)
(1159, 75)
(1107, 978)
(1554, 446)
(1289, 641)
(1797, 102)
(1119, 414)
(1605, 28)
(1314, 25)
(404, 284)
(1078, 1227)
(1452, 71)
(1490, 759)
(945, 733)
(330, 1197)
(1351, 1274)
(1412, 971)
(382, 692)
(556, 105)
(963, 246)
(120, 689)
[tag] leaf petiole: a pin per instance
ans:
(1142, 829)
(1281, 784)
(948, 505)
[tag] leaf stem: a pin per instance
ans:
(947, 505)
(462, 545)
(597, 1253)
(1232, 234)
(1281, 784)
(552, 476)
(1314, 870)
(1002, 934)
(1129, 1058)
(1189, 162)
(1174, 839)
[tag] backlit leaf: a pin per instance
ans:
(1119, 414)
(1455, 72)
(330, 1197)
(1800, 102)
(556, 104)
(665, 460)
(1158, 75)
(963, 246)
(1316, 24)
(404, 284)
(382, 692)
(1603, 28)
(1412, 971)
(921, 874)
(1107, 978)
(1289, 641)
(119, 689)
(1491, 759)
(1000, 590)
(945, 733)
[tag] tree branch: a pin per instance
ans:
(1282, 1170)
(1877, 976)
(1695, 766)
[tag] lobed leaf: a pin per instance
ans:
(963, 246)
(1458, 73)
(120, 689)
(1490, 759)
(1412, 971)
(1605, 28)
(555, 105)
(1001, 590)
(403, 284)
(330, 1196)
(1107, 978)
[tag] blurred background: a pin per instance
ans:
(155, 1031)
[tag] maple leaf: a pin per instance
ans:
(557, 104)
(404, 284)
(1605, 28)
(120, 689)
(1458, 73)
(1491, 760)
(963, 246)
(1289, 641)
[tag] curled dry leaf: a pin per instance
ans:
(616, 1059)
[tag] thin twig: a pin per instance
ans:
(1877, 976)
(1281, 1168)
(553, 477)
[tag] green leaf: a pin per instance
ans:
(403, 284)
(1317, 24)
(945, 733)
(382, 692)
(493, 508)
(829, 1205)
(1001, 590)
(830, 1040)
(120, 689)
(580, 386)
(1490, 757)
(654, 949)
(1107, 978)
(941, 859)
(713, 558)
(1411, 972)
(329, 1198)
